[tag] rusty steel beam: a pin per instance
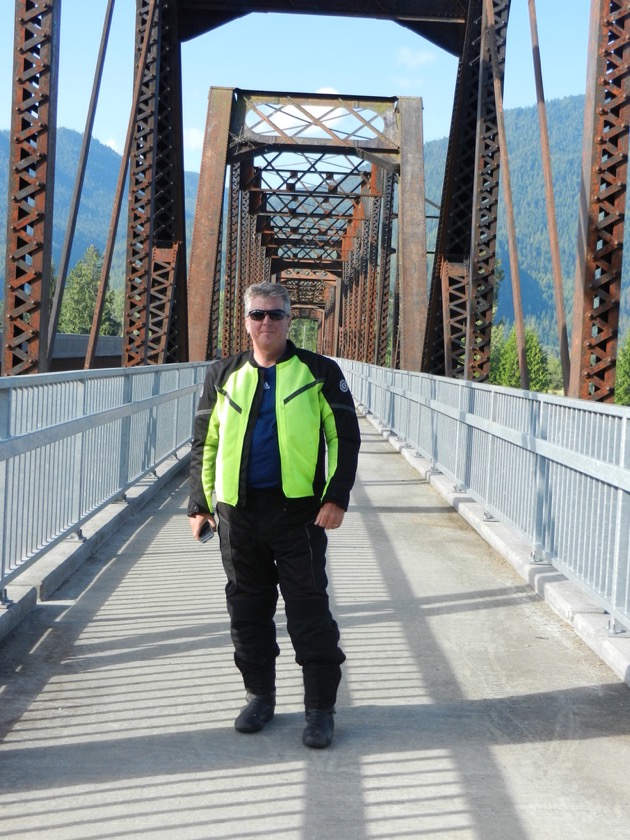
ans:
(156, 192)
(480, 315)
(372, 276)
(442, 346)
(552, 224)
(412, 239)
(169, 213)
(464, 263)
(141, 187)
(293, 207)
(597, 293)
(31, 179)
(491, 152)
(439, 21)
(165, 266)
(231, 260)
(118, 198)
(205, 246)
(385, 264)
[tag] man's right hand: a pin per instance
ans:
(196, 523)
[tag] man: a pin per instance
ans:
(277, 441)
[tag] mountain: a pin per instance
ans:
(565, 117)
(565, 120)
(93, 221)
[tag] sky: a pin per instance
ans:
(296, 53)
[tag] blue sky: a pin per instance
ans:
(297, 53)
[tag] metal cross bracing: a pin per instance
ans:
(31, 175)
(306, 206)
(374, 302)
(602, 212)
(462, 289)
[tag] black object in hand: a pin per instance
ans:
(206, 533)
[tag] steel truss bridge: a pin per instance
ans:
(325, 194)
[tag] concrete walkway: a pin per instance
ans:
(468, 710)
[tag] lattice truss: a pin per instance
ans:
(308, 177)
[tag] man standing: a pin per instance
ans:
(277, 441)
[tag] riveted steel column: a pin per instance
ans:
(168, 317)
(486, 201)
(141, 188)
(382, 306)
(205, 249)
(484, 225)
(603, 203)
(31, 179)
(446, 326)
(412, 239)
(231, 261)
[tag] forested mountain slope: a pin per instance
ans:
(565, 118)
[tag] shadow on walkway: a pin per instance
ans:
(467, 710)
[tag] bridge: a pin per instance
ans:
(325, 194)
(483, 604)
(482, 577)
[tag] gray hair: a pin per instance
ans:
(268, 291)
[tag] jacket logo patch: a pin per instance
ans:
(343, 385)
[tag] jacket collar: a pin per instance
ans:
(288, 354)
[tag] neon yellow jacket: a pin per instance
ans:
(318, 431)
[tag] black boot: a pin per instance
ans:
(319, 728)
(258, 711)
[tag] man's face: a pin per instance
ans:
(268, 336)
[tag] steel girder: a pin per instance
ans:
(306, 210)
(440, 21)
(597, 293)
(31, 180)
(462, 289)
(155, 319)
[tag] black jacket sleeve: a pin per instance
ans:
(197, 502)
(339, 398)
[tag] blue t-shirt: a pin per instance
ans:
(263, 469)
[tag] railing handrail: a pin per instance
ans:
(555, 469)
(103, 430)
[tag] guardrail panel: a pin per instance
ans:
(557, 470)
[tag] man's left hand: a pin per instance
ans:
(330, 516)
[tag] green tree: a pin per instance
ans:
(556, 382)
(622, 374)
(497, 343)
(79, 299)
(508, 367)
(304, 333)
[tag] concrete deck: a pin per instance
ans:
(469, 708)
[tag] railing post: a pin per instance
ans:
(79, 473)
(5, 426)
(620, 585)
(542, 487)
(125, 437)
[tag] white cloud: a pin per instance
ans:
(113, 144)
(413, 59)
(193, 139)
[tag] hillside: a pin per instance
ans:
(94, 217)
(565, 118)
(565, 127)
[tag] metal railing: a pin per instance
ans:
(556, 469)
(71, 443)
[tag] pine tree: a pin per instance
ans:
(622, 374)
(79, 298)
(508, 367)
(497, 344)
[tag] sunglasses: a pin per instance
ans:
(274, 314)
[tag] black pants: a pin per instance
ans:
(268, 542)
